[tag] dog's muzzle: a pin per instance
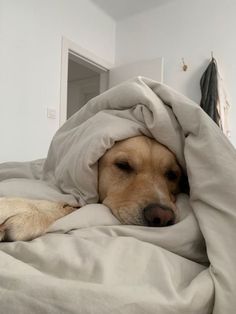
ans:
(157, 215)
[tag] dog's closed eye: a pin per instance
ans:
(171, 175)
(124, 166)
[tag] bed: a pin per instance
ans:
(88, 262)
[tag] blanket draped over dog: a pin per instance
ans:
(88, 262)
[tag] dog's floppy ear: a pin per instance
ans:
(184, 184)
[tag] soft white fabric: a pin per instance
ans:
(88, 262)
(223, 104)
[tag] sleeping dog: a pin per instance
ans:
(139, 179)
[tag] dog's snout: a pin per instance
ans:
(158, 215)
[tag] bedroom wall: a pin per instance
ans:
(189, 29)
(30, 63)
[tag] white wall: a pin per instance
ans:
(189, 29)
(30, 64)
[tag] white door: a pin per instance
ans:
(152, 69)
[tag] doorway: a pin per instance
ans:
(83, 76)
(83, 84)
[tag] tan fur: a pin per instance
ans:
(24, 219)
(126, 193)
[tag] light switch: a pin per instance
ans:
(51, 113)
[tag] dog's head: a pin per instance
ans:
(138, 180)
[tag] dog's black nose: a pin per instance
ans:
(158, 215)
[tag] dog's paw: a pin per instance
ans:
(24, 220)
(23, 226)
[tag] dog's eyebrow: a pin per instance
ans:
(122, 156)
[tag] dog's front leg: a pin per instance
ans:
(24, 219)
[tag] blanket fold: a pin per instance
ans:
(88, 262)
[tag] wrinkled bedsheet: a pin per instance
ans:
(87, 262)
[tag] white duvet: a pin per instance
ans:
(88, 262)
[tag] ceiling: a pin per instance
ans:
(120, 9)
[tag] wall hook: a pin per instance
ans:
(185, 67)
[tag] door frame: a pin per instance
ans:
(71, 50)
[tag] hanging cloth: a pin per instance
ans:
(209, 90)
(223, 104)
(214, 99)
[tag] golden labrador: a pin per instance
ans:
(138, 180)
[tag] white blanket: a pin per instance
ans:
(88, 262)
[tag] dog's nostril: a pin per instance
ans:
(158, 215)
(156, 222)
